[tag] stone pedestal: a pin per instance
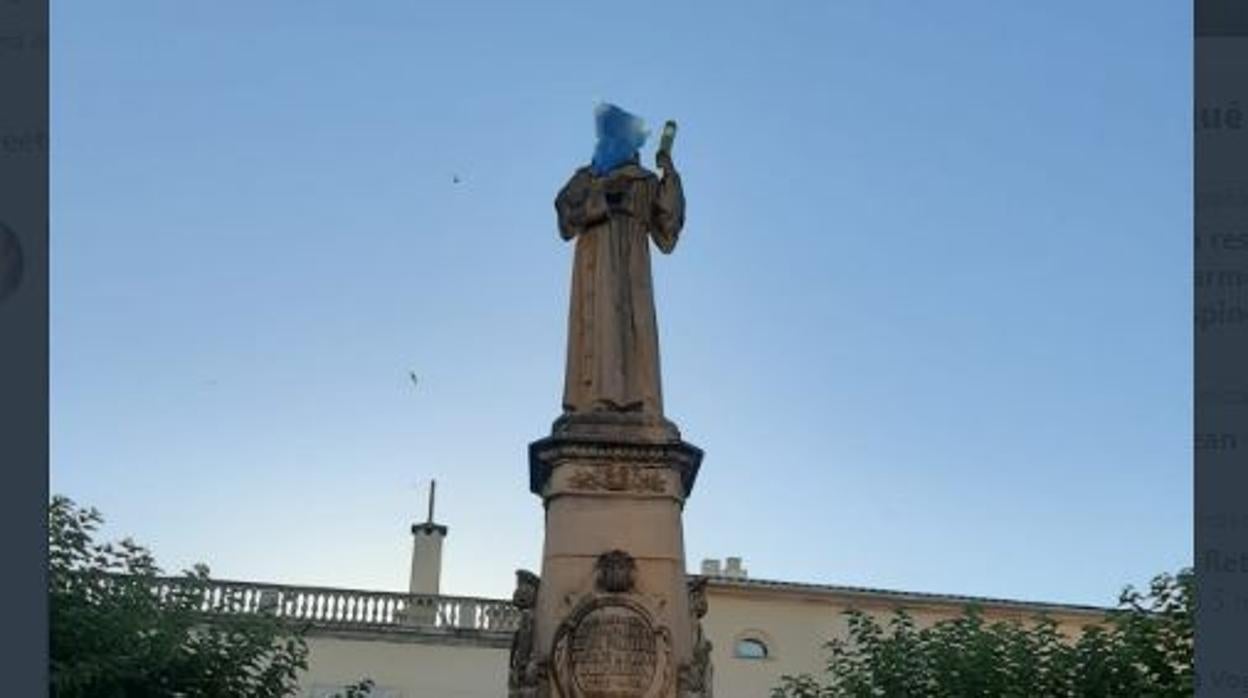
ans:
(612, 614)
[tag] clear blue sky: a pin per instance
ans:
(929, 319)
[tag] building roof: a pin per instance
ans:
(914, 597)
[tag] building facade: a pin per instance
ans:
(415, 645)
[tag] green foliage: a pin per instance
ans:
(119, 631)
(1142, 650)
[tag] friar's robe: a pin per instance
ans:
(613, 338)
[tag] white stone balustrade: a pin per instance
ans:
(353, 608)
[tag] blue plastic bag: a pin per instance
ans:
(620, 136)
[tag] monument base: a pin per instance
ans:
(612, 615)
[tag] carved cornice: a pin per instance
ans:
(546, 454)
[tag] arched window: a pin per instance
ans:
(751, 648)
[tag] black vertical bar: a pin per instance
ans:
(1221, 346)
(24, 340)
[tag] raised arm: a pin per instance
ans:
(579, 204)
(667, 216)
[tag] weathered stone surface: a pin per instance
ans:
(524, 676)
(614, 529)
(613, 646)
(696, 679)
(613, 338)
(604, 458)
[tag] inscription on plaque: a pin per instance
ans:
(613, 653)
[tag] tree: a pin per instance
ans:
(1143, 649)
(119, 630)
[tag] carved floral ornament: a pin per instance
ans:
(618, 478)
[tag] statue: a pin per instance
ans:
(613, 208)
(696, 678)
(524, 675)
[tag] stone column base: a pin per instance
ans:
(612, 615)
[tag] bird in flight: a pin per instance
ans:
(454, 179)
(412, 375)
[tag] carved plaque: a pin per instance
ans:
(613, 653)
(610, 648)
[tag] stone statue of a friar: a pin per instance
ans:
(613, 208)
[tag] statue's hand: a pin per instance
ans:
(664, 160)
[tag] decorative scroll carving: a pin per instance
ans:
(618, 478)
(696, 678)
(525, 672)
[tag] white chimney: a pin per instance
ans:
(710, 567)
(733, 568)
(427, 553)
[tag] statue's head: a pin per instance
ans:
(620, 136)
(525, 595)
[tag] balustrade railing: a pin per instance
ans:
(350, 608)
